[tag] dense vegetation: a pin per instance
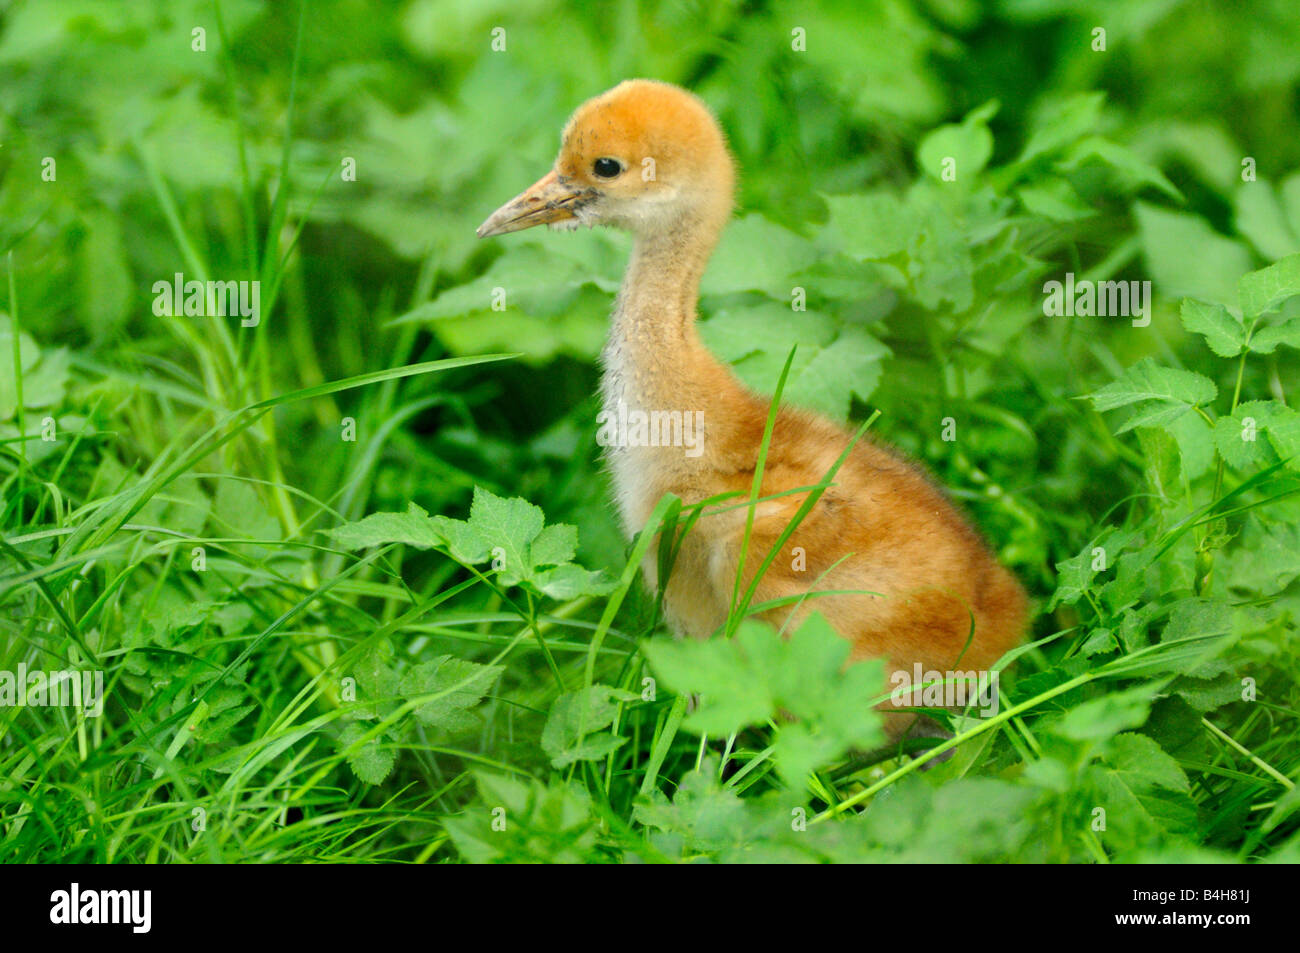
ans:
(327, 562)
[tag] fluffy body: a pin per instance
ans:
(913, 581)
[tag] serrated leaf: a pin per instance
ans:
(1261, 291)
(1147, 380)
(414, 528)
(1222, 332)
(1256, 431)
(756, 676)
(1209, 694)
(1099, 642)
(371, 762)
(1265, 340)
(1164, 394)
(571, 581)
(1075, 575)
(511, 531)
(1198, 630)
(1142, 781)
(556, 544)
(1107, 715)
(1144, 764)
(508, 532)
(524, 821)
(732, 694)
(1240, 438)
(575, 726)
(509, 525)
(459, 684)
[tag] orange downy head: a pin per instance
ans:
(644, 156)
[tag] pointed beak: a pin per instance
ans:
(547, 200)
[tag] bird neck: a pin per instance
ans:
(654, 358)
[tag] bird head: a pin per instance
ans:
(645, 156)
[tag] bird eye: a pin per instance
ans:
(606, 168)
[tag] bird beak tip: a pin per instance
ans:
(546, 201)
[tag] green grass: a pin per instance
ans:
(327, 564)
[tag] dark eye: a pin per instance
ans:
(606, 168)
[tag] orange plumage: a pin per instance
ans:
(649, 158)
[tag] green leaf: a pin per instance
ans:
(1165, 394)
(44, 375)
(1143, 783)
(1240, 438)
(459, 684)
(371, 762)
(1209, 693)
(1187, 258)
(871, 226)
(508, 525)
(1134, 171)
(378, 681)
(1056, 199)
(706, 815)
(1075, 575)
(570, 581)
(1062, 124)
(1195, 439)
(1262, 291)
(828, 369)
(1107, 715)
(514, 820)
(1256, 431)
(556, 544)
(1144, 764)
(1198, 631)
(1099, 642)
(757, 676)
(968, 145)
(1259, 216)
(922, 243)
(1225, 334)
(757, 255)
(508, 532)
(732, 693)
(414, 528)
(575, 727)
(1265, 340)
(541, 297)
(1133, 571)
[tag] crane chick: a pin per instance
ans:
(906, 578)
